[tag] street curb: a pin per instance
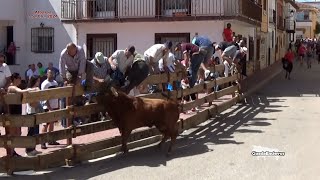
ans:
(262, 83)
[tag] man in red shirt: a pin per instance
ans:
(227, 33)
(288, 63)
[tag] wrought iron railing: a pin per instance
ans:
(151, 9)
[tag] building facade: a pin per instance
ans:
(307, 17)
(106, 25)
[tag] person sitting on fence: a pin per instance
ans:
(120, 61)
(287, 62)
(155, 53)
(33, 108)
(73, 66)
(137, 73)
(49, 105)
(15, 109)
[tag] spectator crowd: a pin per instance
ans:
(124, 69)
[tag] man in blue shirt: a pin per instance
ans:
(206, 46)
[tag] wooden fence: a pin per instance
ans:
(77, 153)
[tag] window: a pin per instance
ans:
(105, 43)
(306, 15)
(105, 5)
(175, 4)
(175, 38)
(42, 40)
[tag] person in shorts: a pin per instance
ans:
(49, 105)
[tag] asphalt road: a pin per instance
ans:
(284, 116)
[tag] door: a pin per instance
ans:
(10, 58)
(9, 35)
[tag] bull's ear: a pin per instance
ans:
(114, 92)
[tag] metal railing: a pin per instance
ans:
(153, 9)
(290, 25)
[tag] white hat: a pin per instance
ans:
(100, 58)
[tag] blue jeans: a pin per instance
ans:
(196, 61)
(209, 53)
(118, 77)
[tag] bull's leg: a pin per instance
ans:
(164, 139)
(172, 142)
(125, 136)
(173, 136)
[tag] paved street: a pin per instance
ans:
(283, 116)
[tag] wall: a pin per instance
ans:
(63, 34)
(142, 34)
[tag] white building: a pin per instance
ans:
(36, 29)
(42, 28)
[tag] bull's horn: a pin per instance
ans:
(114, 92)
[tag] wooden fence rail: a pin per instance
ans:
(77, 153)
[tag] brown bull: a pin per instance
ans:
(129, 113)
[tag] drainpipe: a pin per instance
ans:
(276, 31)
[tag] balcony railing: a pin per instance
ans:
(272, 16)
(290, 25)
(157, 9)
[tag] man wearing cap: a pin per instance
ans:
(232, 55)
(155, 53)
(100, 68)
(119, 62)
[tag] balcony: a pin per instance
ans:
(290, 26)
(272, 16)
(158, 10)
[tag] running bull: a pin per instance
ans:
(129, 113)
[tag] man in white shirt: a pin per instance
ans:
(157, 52)
(49, 105)
(120, 62)
(170, 64)
(32, 71)
(5, 75)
